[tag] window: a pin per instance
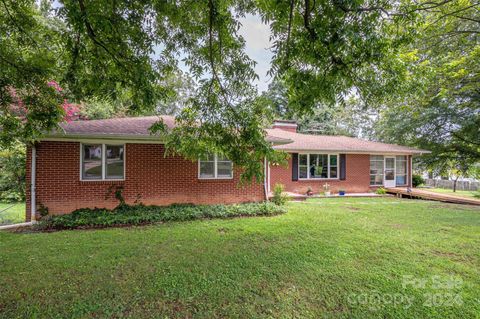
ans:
(376, 169)
(317, 166)
(401, 170)
(215, 166)
(102, 162)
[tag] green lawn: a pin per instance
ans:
(342, 257)
(468, 194)
(11, 213)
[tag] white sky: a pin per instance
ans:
(257, 37)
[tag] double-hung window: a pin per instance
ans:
(317, 166)
(376, 170)
(215, 167)
(102, 162)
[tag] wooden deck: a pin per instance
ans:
(424, 194)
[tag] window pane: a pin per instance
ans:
(401, 167)
(115, 162)
(302, 159)
(376, 179)
(333, 172)
(318, 166)
(92, 161)
(207, 169)
(333, 160)
(376, 157)
(303, 171)
(224, 169)
(401, 179)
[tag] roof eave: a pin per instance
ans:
(380, 152)
(128, 138)
(112, 137)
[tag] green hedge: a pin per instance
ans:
(140, 214)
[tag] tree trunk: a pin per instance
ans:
(455, 184)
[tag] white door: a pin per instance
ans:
(389, 172)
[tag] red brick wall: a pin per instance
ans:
(150, 177)
(357, 177)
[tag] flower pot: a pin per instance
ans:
(341, 193)
(327, 193)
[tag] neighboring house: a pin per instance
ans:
(88, 161)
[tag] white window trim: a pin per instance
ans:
(215, 171)
(104, 162)
(328, 167)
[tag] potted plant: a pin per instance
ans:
(341, 192)
(326, 188)
(309, 191)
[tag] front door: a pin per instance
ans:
(389, 174)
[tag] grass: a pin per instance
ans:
(319, 260)
(11, 213)
(467, 194)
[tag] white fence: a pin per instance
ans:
(461, 185)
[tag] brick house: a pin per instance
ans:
(85, 163)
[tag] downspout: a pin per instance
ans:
(269, 187)
(265, 164)
(33, 207)
(411, 171)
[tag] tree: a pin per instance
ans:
(182, 88)
(438, 106)
(95, 48)
(12, 173)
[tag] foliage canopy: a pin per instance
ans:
(323, 50)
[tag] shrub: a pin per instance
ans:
(417, 180)
(381, 191)
(12, 173)
(476, 194)
(140, 214)
(279, 197)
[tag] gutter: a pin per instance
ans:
(265, 165)
(343, 151)
(411, 172)
(33, 208)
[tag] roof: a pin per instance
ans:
(337, 143)
(137, 128)
(127, 128)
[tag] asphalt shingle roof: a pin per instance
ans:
(138, 127)
(336, 143)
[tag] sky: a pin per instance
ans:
(257, 37)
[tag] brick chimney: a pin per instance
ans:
(286, 125)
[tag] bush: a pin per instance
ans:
(381, 191)
(417, 180)
(140, 215)
(12, 173)
(476, 194)
(279, 197)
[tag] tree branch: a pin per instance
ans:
(91, 33)
(289, 31)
